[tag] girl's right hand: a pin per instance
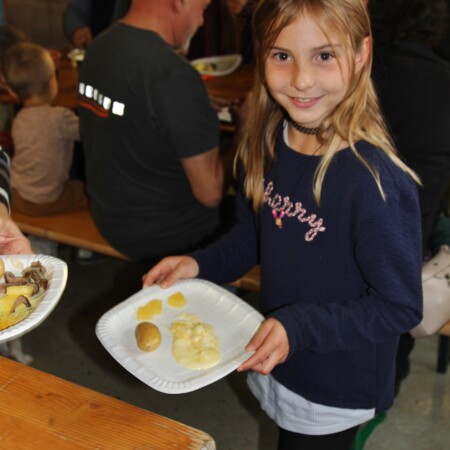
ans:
(270, 345)
(171, 269)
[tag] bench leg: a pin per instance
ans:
(443, 354)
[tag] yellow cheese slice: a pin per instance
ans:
(177, 300)
(152, 308)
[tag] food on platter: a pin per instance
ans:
(176, 300)
(76, 56)
(195, 344)
(217, 65)
(20, 294)
(234, 321)
(205, 67)
(148, 336)
(149, 310)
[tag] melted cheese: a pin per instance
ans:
(195, 344)
(152, 308)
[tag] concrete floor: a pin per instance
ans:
(65, 345)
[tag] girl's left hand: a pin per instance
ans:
(271, 347)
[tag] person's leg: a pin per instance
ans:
(338, 441)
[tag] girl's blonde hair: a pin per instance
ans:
(356, 117)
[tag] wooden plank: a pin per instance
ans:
(235, 85)
(445, 330)
(75, 228)
(250, 281)
(39, 410)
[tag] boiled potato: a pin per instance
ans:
(22, 289)
(148, 336)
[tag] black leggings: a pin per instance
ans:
(338, 441)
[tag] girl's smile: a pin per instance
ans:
(305, 102)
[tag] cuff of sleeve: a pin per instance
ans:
(204, 264)
(5, 201)
(293, 326)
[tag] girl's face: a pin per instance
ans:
(307, 74)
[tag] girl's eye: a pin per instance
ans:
(325, 56)
(280, 56)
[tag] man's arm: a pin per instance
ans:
(205, 175)
(77, 18)
(212, 172)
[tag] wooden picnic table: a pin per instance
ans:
(40, 411)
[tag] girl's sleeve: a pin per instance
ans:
(388, 254)
(5, 186)
(235, 253)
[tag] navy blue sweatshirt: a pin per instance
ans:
(344, 278)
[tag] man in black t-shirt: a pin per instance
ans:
(150, 135)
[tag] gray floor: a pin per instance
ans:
(65, 345)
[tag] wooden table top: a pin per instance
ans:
(235, 85)
(41, 411)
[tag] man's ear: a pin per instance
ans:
(178, 5)
(5, 87)
(363, 52)
(52, 81)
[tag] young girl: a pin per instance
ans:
(331, 214)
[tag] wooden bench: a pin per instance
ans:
(77, 229)
(250, 281)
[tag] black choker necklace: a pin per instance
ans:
(301, 128)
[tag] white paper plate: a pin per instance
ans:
(222, 65)
(57, 276)
(234, 321)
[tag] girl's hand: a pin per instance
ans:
(171, 269)
(271, 347)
